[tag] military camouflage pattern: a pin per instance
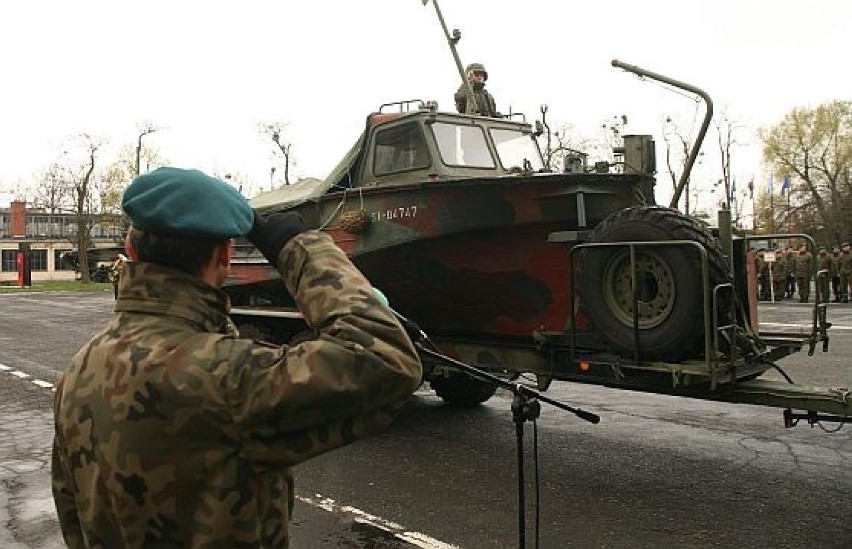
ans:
(171, 431)
(115, 269)
(790, 269)
(844, 268)
(482, 102)
(779, 274)
(804, 269)
(824, 262)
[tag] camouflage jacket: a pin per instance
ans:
(779, 269)
(790, 261)
(173, 432)
(844, 263)
(804, 265)
(116, 267)
(483, 101)
(825, 262)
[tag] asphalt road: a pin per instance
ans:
(656, 471)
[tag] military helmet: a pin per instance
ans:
(476, 67)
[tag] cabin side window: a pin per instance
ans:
(462, 145)
(400, 149)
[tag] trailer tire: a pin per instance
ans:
(461, 390)
(671, 310)
(253, 331)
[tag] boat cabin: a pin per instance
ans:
(422, 144)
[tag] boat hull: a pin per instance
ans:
(468, 257)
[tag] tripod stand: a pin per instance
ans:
(525, 407)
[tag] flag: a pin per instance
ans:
(751, 188)
(785, 185)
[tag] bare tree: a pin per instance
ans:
(678, 148)
(51, 195)
(564, 142)
(283, 147)
(76, 171)
(727, 130)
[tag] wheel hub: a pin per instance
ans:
(655, 289)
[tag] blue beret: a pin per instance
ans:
(177, 202)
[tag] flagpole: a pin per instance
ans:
(789, 230)
(753, 207)
(771, 203)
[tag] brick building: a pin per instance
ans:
(49, 236)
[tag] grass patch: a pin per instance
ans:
(58, 286)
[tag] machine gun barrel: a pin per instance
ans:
(451, 41)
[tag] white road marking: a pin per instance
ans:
(22, 375)
(415, 538)
(805, 327)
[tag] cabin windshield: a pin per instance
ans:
(516, 149)
(462, 145)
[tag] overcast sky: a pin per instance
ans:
(208, 72)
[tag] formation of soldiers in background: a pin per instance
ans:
(793, 270)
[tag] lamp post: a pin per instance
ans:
(142, 133)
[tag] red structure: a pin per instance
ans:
(18, 225)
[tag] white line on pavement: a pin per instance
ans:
(22, 375)
(805, 327)
(415, 538)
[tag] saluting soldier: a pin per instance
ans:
(845, 269)
(171, 430)
(804, 269)
(824, 261)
